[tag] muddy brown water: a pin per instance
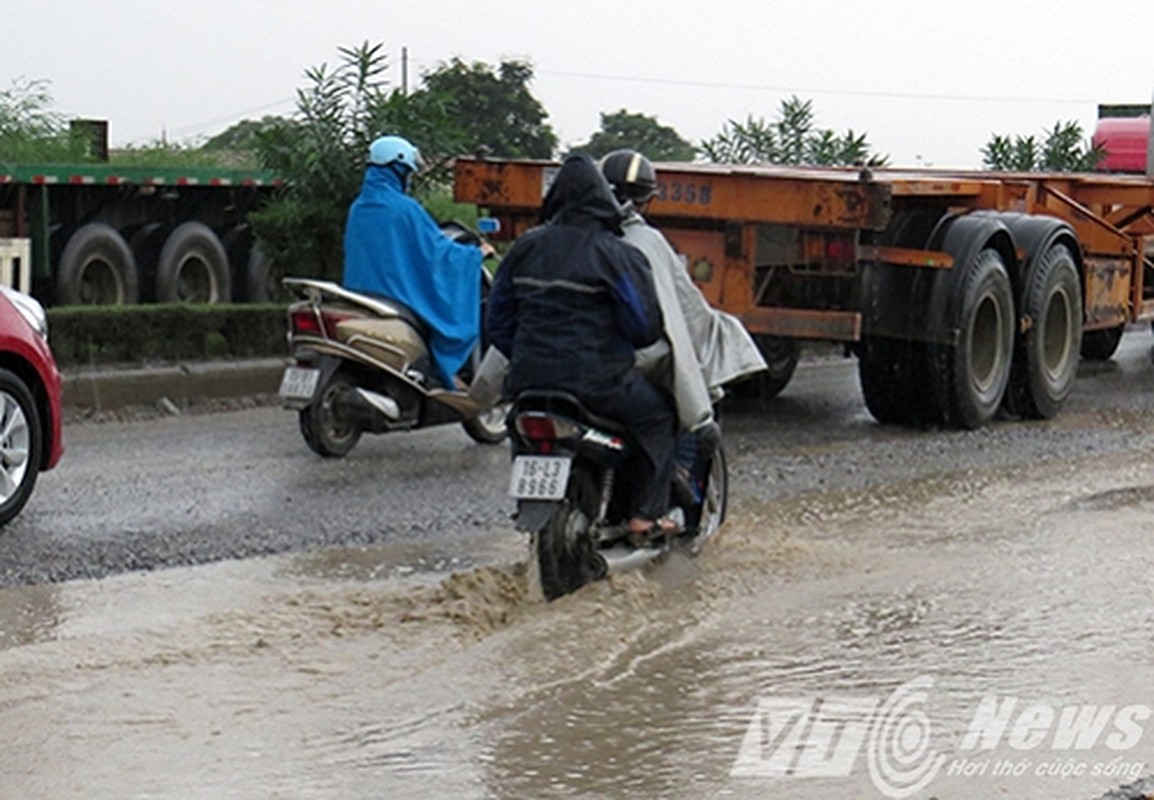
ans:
(836, 643)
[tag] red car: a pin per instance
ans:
(30, 427)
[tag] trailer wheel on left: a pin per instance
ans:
(96, 268)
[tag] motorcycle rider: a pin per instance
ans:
(703, 348)
(570, 304)
(394, 248)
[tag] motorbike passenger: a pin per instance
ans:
(394, 248)
(570, 304)
(703, 348)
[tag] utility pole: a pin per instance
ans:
(405, 71)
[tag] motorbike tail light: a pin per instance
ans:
(540, 427)
(305, 322)
(308, 322)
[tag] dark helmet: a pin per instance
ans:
(631, 175)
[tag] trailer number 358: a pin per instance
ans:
(680, 192)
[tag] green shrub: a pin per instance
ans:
(103, 335)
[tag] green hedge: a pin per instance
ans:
(145, 334)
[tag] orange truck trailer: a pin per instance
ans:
(960, 293)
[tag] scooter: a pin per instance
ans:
(567, 464)
(362, 365)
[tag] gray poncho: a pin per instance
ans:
(704, 348)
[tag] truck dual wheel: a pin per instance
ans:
(96, 268)
(971, 375)
(193, 267)
(1046, 355)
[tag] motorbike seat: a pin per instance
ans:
(564, 403)
(405, 313)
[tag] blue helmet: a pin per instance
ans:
(394, 150)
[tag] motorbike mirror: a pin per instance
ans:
(489, 225)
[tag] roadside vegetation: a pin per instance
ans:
(1064, 149)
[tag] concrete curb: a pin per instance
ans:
(106, 389)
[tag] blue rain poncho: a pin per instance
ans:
(394, 248)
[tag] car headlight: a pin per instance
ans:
(29, 308)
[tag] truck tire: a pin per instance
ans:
(251, 269)
(1101, 345)
(892, 374)
(970, 375)
(96, 268)
(1046, 353)
(193, 267)
(258, 277)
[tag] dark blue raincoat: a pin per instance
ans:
(570, 304)
(394, 248)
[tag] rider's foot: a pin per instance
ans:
(642, 528)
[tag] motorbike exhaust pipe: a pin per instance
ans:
(379, 402)
(623, 559)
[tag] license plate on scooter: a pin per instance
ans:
(539, 477)
(299, 384)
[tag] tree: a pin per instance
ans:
(321, 153)
(637, 132)
(792, 139)
(244, 135)
(1063, 150)
(495, 110)
(31, 132)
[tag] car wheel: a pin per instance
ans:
(21, 445)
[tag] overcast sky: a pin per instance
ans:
(929, 82)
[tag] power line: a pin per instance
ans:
(198, 127)
(811, 90)
(761, 87)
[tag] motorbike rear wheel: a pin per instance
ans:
(327, 431)
(564, 546)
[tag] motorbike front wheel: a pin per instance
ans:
(714, 504)
(328, 431)
(489, 427)
(564, 546)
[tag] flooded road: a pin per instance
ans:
(943, 615)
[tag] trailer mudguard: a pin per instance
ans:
(916, 303)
